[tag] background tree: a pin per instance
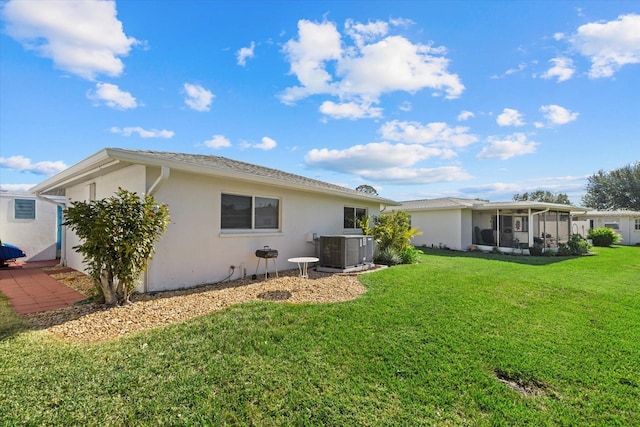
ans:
(617, 189)
(118, 237)
(543, 196)
(364, 188)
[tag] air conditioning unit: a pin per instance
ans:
(345, 251)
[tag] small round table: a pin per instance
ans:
(303, 262)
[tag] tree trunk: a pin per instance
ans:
(108, 289)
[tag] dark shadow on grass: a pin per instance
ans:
(10, 323)
(516, 258)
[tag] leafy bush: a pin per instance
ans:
(578, 245)
(389, 256)
(604, 236)
(564, 249)
(392, 231)
(410, 255)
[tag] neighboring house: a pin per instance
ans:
(458, 224)
(626, 223)
(221, 211)
(32, 224)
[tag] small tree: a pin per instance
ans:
(392, 233)
(119, 235)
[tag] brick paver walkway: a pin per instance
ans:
(31, 290)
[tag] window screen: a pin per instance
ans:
(25, 209)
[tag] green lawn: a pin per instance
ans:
(423, 346)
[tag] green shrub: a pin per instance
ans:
(604, 236)
(389, 256)
(564, 249)
(410, 255)
(578, 245)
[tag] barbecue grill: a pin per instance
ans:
(266, 254)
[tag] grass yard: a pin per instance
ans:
(459, 339)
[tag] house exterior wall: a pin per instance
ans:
(37, 237)
(195, 249)
(626, 227)
(442, 228)
(131, 178)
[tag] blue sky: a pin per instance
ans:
(419, 99)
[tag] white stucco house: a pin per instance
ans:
(458, 223)
(222, 211)
(624, 222)
(32, 224)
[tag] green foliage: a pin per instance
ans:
(364, 188)
(616, 189)
(118, 236)
(389, 256)
(393, 230)
(410, 255)
(543, 196)
(578, 245)
(604, 236)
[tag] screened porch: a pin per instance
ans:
(519, 229)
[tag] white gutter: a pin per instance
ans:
(84, 174)
(165, 171)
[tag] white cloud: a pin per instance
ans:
(266, 144)
(244, 53)
(557, 115)
(609, 45)
(16, 188)
(374, 64)
(436, 133)
(521, 67)
(416, 175)
(505, 148)
(363, 33)
(218, 141)
(562, 69)
(197, 97)
(405, 106)
(112, 96)
(510, 117)
(375, 155)
(143, 133)
(84, 38)
(23, 164)
(349, 110)
(465, 115)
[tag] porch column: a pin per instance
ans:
(498, 227)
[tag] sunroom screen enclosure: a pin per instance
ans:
(520, 229)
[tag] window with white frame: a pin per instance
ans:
(353, 215)
(25, 209)
(240, 212)
(637, 225)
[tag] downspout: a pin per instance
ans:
(164, 176)
(531, 223)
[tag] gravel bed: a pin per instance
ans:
(93, 322)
